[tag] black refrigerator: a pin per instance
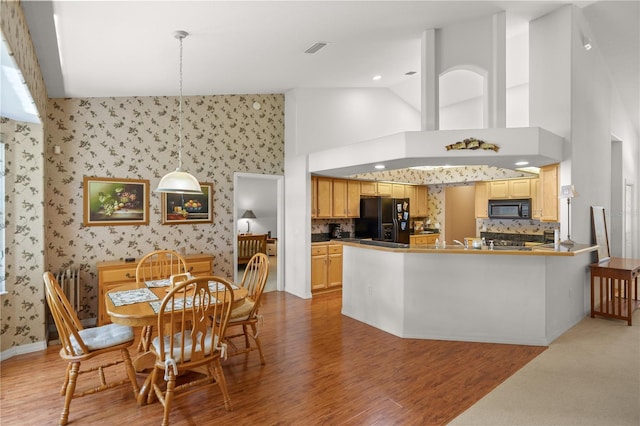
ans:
(384, 219)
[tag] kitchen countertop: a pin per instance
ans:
(540, 250)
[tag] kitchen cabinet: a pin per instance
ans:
(549, 182)
(384, 189)
(326, 267)
(353, 198)
(421, 208)
(369, 188)
(118, 272)
(506, 189)
(482, 200)
(520, 188)
(375, 189)
(339, 197)
(536, 210)
(498, 189)
(429, 239)
(321, 197)
(397, 190)
(410, 193)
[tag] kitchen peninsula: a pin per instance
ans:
(526, 296)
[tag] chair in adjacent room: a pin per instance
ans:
(80, 344)
(157, 265)
(189, 345)
(246, 315)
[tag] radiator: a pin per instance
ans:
(69, 280)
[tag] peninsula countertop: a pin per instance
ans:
(540, 250)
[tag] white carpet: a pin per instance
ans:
(588, 376)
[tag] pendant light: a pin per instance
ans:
(179, 182)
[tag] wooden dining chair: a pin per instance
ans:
(80, 344)
(157, 265)
(189, 342)
(246, 315)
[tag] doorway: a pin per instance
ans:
(263, 195)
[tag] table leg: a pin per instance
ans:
(144, 363)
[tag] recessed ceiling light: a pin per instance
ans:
(379, 166)
(522, 163)
(377, 77)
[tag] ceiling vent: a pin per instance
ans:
(317, 46)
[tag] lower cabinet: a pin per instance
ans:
(326, 267)
(428, 239)
(117, 272)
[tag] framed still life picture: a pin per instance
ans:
(112, 201)
(188, 208)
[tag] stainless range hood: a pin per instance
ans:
(534, 145)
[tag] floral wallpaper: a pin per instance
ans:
(22, 313)
(136, 138)
(15, 33)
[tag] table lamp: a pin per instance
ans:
(248, 214)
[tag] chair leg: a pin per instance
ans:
(256, 339)
(168, 398)
(145, 338)
(72, 378)
(63, 390)
(246, 336)
(152, 387)
(222, 382)
(128, 365)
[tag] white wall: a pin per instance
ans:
(572, 96)
(260, 196)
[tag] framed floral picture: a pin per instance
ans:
(188, 208)
(113, 202)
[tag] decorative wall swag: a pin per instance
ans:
(473, 143)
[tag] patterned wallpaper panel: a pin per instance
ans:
(16, 34)
(137, 138)
(22, 312)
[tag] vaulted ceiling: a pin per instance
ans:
(127, 48)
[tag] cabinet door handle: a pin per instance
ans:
(128, 275)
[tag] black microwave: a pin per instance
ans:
(510, 209)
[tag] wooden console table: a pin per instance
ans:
(614, 288)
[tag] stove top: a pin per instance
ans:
(510, 243)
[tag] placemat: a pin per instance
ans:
(216, 286)
(129, 297)
(178, 304)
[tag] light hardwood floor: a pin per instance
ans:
(322, 368)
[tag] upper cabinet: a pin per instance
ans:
(549, 182)
(543, 192)
(512, 188)
(346, 198)
(353, 198)
(321, 197)
(340, 198)
(482, 199)
(397, 190)
(420, 204)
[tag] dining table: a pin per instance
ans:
(136, 305)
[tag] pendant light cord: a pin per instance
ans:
(180, 110)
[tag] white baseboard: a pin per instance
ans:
(23, 349)
(39, 346)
